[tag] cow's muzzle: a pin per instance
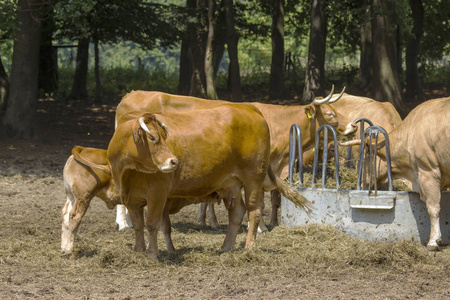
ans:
(170, 165)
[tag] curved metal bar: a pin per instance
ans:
(372, 132)
(325, 128)
(361, 130)
(295, 134)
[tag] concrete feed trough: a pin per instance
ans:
(382, 216)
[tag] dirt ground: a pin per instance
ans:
(312, 262)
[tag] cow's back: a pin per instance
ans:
(158, 102)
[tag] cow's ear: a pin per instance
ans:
(310, 112)
(137, 133)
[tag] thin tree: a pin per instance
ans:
(276, 88)
(98, 83)
(186, 59)
(4, 87)
(413, 83)
(20, 116)
(365, 62)
(48, 56)
(209, 68)
(79, 85)
(315, 77)
(234, 75)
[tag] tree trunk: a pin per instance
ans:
(232, 42)
(365, 64)
(186, 60)
(276, 89)
(386, 82)
(20, 117)
(98, 83)
(315, 77)
(48, 57)
(413, 83)
(184, 79)
(4, 87)
(79, 86)
(209, 68)
(218, 50)
(198, 39)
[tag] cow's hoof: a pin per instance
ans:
(433, 247)
(123, 227)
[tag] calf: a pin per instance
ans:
(87, 175)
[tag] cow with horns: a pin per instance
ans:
(219, 150)
(279, 118)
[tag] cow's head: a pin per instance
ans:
(373, 168)
(149, 134)
(320, 112)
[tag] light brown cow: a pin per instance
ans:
(87, 174)
(381, 114)
(420, 153)
(218, 150)
(279, 118)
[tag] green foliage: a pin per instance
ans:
(435, 75)
(146, 23)
(435, 42)
(344, 19)
(119, 80)
(7, 18)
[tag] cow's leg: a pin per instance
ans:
(431, 194)
(72, 213)
(67, 237)
(275, 200)
(253, 199)
(212, 216)
(122, 217)
(155, 209)
(137, 218)
(202, 214)
(236, 212)
(166, 229)
(262, 228)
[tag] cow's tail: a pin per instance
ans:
(291, 194)
(76, 152)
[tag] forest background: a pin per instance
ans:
(97, 51)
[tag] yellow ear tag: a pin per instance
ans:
(308, 114)
(314, 149)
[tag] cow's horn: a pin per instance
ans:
(350, 143)
(334, 99)
(143, 126)
(324, 100)
(164, 126)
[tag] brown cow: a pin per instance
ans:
(420, 153)
(218, 150)
(279, 118)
